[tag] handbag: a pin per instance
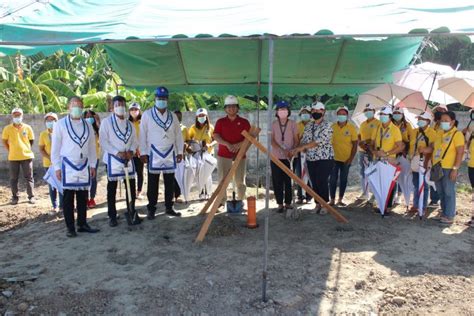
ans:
(437, 170)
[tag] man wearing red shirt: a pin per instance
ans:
(227, 132)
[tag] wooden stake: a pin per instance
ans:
(338, 216)
(222, 188)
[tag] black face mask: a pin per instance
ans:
(437, 115)
(317, 115)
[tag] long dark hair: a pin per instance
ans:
(199, 125)
(94, 115)
(139, 116)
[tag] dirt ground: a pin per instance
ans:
(396, 265)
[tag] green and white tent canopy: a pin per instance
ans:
(145, 42)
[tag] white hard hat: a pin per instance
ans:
(342, 108)
(51, 114)
(201, 111)
(369, 106)
(17, 110)
(318, 106)
(387, 109)
(425, 115)
(231, 99)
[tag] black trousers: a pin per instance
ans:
(319, 172)
(281, 183)
(139, 168)
(177, 189)
(152, 192)
(68, 207)
(112, 194)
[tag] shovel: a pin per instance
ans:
(234, 206)
(131, 215)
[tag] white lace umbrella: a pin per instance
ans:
(405, 180)
(382, 177)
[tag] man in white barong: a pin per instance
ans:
(161, 147)
(74, 158)
(119, 142)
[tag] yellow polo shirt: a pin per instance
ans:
(184, 132)
(385, 138)
(45, 140)
(19, 141)
(367, 129)
(441, 143)
(203, 134)
(406, 131)
(415, 134)
(342, 138)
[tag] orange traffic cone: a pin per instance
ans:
(251, 212)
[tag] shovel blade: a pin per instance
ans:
(235, 207)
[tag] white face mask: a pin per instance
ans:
(17, 120)
(202, 119)
(119, 110)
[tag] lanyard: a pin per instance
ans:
(382, 136)
(282, 129)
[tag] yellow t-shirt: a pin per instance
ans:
(97, 146)
(441, 143)
(201, 134)
(300, 128)
(184, 132)
(342, 138)
(45, 140)
(367, 129)
(471, 153)
(19, 141)
(406, 131)
(416, 135)
(385, 138)
(137, 128)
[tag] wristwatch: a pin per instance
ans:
(455, 168)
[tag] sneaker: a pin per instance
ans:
(14, 200)
(150, 215)
(323, 211)
(332, 203)
(113, 222)
(91, 203)
(71, 233)
(341, 204)
(172, 212)
(202, 196)
(32, 200)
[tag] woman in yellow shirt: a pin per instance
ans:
(305, 118)
(45, 149)
(201, 133)
(92, 118)
(448, 151)
(469, 131)
(398, 118)
(135, 116)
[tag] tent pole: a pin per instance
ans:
(431, 89)
(268, 175)
(259, 91)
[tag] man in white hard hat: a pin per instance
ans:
(227, 133)
(18, 138)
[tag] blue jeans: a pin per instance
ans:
(362, 156)
(447, 194)
(416, 195)
(434, 195)
(341, 171)
(53, 193)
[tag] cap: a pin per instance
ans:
(134, 105)
(342, 108)
(369, 106)
(386, 110)
(231, 99)
(318, 106)
(306, 108)
(425, 115)
(51, 114)
(282, 104)
(441, 106)
(161, 92)
(17, 110)
(398, 109)
(118, 98)
(201, 111)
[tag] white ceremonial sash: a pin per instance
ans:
(162, 158)
(75, 175)
(116, 168)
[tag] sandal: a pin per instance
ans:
(412, 210)
(288, 206)
(446, 221)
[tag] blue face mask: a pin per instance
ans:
(161, 104)
(305, 117)
(369, 114)
(384, 118)
(397, 117)
(342, 118)
(76, 112)
(446, 126)
(91, 120)
(50, 124)
(202, 119)
(421, 123)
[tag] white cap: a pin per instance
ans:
(17, 110)
(398, 109)
(134, 105)
(201, 111)
(425, 115)
(231, 99)
(441, 106)
(306, 108)
(387, 109)
(369, 106)
(318, 106)
(51, 114)
(342, 108)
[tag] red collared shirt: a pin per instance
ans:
(230, 131)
